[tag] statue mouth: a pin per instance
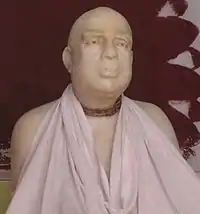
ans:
(109, 74)
(109, 71)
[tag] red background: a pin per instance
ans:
(36, 33)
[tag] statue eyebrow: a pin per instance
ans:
(121, 35)
(91, 32)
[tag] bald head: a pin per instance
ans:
(98, 19)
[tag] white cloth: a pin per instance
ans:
(62, 174)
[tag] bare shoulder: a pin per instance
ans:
(22, 137)
(161, 119)
(30, 121)
(153, 111)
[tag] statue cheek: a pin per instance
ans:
(93, 51)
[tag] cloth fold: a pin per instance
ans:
(62, 173)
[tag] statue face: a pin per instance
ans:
(102, 57)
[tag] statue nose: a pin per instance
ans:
(110, 52)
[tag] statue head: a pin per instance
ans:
(99, 54)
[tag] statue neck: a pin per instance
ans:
(99, 106)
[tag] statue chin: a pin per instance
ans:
(109, 91)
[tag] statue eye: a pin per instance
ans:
(96, 40)
(122, 43)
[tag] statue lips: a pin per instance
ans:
(109, 74)
(109, 71)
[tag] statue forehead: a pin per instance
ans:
(101, 18)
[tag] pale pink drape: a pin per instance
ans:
(63, 174)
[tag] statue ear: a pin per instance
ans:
(67, 58)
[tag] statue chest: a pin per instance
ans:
(103, 134)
